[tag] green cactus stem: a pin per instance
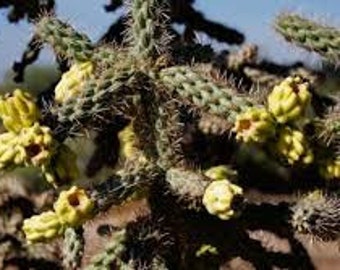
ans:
(65, 41)
(310, 35)
(73, 247)
(204, 94)
(145, 36)
(111, 255)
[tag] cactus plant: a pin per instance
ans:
(179, 132)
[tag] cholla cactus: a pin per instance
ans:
(218, 198)
(18, 110)
(42, 227)
(330, 169)
(147, 109)
(318, 215)
(289, 100)
(254, 125)
(293, 145)
(32, 146)
(310, 35)
(73, 207)
(71, 83)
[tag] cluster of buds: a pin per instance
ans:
(254, 125)
(287, 104)
(31, 147)
(220, 194)
(27, 143)
(289, 101)
(18, 111)
(72, 209)
(72, 81)
(293, 145)
(330, 169)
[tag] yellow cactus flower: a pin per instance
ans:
(42, 227)
(72, 81)
(220, 172)
(293, 145)
(74, 207)
(128, 142)
(32, 146)
(18, 110)
(331, 169)
(289, 100)
(254, 125)
(218, 198)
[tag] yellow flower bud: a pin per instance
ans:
(331, 169)
(206, 249)
(128, 141)
(293, 145)
(218, 198)
(74, 207)
(32, 146)
(254, 125)
(42, 227)
(18, 110)
(289, 100)
(36, 143)
(72, 81)
(220, 172)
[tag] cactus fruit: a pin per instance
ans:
(330, 169)
(292, 145)
(42, 227)
(33, 146)
(73, 207)
(318, 215)
(220, 172)
(128, 142)
(310, 35)
(289, 100)
(254, 125)
(72, 82)
(218, 198)
(18, 110)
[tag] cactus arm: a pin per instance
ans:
(310, 35)
(65, 41)
(204, 94)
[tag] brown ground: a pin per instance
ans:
(325, 256)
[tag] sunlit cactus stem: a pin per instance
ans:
(310, 35)
(111, 255)
(73, 248)
(65, 41)
(202, 93)
(145, 28)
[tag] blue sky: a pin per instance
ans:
(252, 17)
